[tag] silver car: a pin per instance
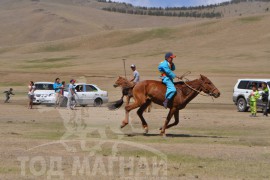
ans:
(86, 94)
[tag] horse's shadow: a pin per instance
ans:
(174, 135)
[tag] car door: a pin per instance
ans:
(91, 94)
(259, 86)
(268, 83)
(242, 89)
(80, 94)
(249, 90)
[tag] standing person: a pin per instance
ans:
(253, 97)
(57, 87)
(265, 96)
(62, 92)
(8, 93)
(166, 69)
(71, 94)
(136, 74)
(31, 89)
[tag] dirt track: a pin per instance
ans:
(212, 140)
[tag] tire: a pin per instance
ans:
(64, 102)
(242, 105)
(98, 102)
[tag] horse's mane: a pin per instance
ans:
(125, 83)
(182, 86)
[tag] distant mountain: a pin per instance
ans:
(225, 9)
(33, 21)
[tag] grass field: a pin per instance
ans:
(68, 40)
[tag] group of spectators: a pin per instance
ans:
(255, 95)
(58, 87)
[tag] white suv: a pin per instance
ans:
(242, 90)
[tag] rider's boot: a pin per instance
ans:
(165, 103)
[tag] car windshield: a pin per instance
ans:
(44, 86)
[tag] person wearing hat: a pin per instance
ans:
(71, 94)
(136, 74)
(166, 69)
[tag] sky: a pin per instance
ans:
(170, 3)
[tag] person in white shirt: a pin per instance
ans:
(31, 89)
(71, 103)
(136, 74)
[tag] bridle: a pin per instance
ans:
(201, 85)
(123, 83)
(198, 91)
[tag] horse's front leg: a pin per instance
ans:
(171, 113)
(176, 117)
(126, 120)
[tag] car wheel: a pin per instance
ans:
(63, 103)
(242, 105)
(98, 102)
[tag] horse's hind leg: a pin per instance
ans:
(149, 108)
(140, 114)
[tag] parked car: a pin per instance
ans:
(43, 90)
(242, 90)
(86, 94)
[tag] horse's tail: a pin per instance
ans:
(116, 104)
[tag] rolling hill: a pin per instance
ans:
(40, 40)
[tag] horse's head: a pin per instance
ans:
(119, 82)
(208, 87)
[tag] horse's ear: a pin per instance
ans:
(201, 76)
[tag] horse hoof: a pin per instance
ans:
(123, 125)
(162, 134)
(145, 130)
(145, 127)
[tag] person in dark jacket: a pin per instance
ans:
(265, 96)
(8, 93)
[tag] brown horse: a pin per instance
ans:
(127, 87)
(149, 91)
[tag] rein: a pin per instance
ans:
(199, 92)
